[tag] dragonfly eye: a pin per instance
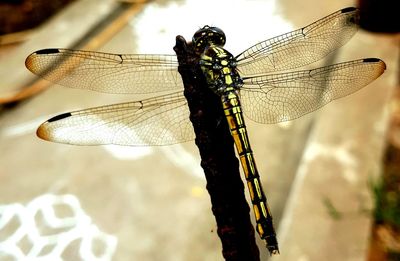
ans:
(207, 36)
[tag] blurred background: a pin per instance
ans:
(332, 177)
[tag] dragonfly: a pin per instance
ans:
(259, 82)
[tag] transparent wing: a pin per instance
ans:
(287, 96)
(160, 120)
(106, 72)
(302, 46)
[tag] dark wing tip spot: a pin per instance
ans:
(381, 63)
(348, 9)
(60, 117)
(47, 51)
(371, 60)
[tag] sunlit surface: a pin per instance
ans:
(177, 155)
(20, 129)
(249, 22)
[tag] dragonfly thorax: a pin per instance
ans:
(217, 64)
(219, 68)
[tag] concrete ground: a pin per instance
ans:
(150, 203)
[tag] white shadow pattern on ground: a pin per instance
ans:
(52, 227)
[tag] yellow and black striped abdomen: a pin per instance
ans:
(234, 116)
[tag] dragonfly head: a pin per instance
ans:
(207, 36)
